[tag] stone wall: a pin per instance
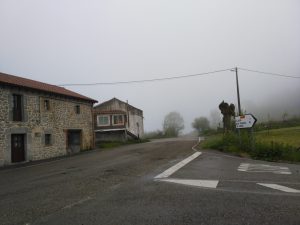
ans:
(110, 136)
(38, 121)
(3, 118)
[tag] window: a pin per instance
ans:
(17, 107)
(77, 109)
(103, 120)
(46, 105)
(48, 138)
(118, 120)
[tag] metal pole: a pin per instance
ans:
(238, 90)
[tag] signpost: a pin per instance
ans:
(245, 121)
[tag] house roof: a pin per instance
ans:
(115, 99)
(40, 86)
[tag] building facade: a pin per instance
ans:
(116, 120)
(40, 121)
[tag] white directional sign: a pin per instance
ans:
(245, 121)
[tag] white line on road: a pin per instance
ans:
(263, 168)
(243, 167)
(194, 147)
(77, 203)
(176, 167)
(280, 187)
(197, 183)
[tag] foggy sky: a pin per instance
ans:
(77, 41)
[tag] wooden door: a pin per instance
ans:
(74, 141)
(17, 148)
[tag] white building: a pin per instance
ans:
(115, 120)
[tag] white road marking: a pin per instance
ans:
(280, 187)
(77, 203)
(197, 183)
(243, 167)
(194, 147)
(176, 167)
(263, 168)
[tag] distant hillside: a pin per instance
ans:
(280, 107)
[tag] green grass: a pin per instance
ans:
(212, 142)
(290, 136)
(273, 145)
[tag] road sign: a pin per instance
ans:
(245, 121)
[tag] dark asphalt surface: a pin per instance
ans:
(116, 186)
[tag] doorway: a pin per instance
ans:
(17, 148)
(74, 141)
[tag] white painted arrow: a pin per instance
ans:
(197, 183)
(245, 121)
(176, 167)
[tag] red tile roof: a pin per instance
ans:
(36, 85)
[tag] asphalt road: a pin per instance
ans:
(118, 186)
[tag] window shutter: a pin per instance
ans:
(10, 107)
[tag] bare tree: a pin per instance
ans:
(228, 112)
(173, 124)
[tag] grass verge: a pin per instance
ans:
(273, 145)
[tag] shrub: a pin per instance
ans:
(272, 151)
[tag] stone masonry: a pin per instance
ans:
(38, 121)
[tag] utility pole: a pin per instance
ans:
(239, 103)
(238, 90)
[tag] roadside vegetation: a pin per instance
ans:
(281, 144)
(154, 134)
(173, 124)
(271, 141)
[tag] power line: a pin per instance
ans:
(148, 80)
(267, 73)
(177, 77)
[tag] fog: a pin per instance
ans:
(275, 107)
(75, 41)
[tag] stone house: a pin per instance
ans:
(115, 120)
(39, 120)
